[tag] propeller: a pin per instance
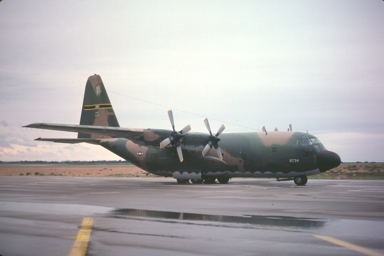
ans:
(213, 139)
(175, 137)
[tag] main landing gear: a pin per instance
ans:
(299, 180)
(208, 180)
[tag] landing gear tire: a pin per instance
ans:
(197, 181)
(223, 180)
(182, 181)
(209, 180)
(300, 180)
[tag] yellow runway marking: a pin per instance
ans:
(349, 246)
(81, 243)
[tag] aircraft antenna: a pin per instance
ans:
(264, 130)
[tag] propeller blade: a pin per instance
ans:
(206, 149)
(207, 125)
(165, 143)
(170, 115)
(186, 129)
(180, 153)
(219, 153)
(221, 129)
(213, 139)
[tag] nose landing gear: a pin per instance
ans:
(300, 180)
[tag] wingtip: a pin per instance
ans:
(33, 125)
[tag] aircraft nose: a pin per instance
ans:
(327, 160)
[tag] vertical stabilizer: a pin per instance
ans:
(97, 108)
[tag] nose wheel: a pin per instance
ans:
(300, 180)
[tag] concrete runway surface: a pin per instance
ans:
(157, 216)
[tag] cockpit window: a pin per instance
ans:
(317, 145)
(303, 141)
(306, 142)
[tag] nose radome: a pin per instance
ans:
(327, 160)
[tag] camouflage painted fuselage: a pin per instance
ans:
(278, 154)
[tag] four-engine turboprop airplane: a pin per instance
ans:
(196, 156)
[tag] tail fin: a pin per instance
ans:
(97, 108)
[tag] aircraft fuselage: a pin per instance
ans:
(276, 154)
(193, 156)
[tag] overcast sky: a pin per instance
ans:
(316, 64)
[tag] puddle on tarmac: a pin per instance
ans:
(271, 221)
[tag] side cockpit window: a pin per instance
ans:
(303, 141)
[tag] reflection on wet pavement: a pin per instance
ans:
(277, 221)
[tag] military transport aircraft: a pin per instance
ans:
(198, 157)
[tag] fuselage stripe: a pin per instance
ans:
(98, 106)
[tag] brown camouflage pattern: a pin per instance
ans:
(257, 154)
(97, 108)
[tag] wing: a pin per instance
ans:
(98, 131)
(146, 137)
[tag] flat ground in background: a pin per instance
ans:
(344, 171)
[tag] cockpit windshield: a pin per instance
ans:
(305, 141)
(317, 144)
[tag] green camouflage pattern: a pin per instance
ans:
(97, 108)
(277, 154)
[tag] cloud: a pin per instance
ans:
(355, 146)
(249, 65)
(13, 136)
(4, 143)
(3, 123)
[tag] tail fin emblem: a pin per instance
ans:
(98, 90)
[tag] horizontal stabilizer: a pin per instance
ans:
(101, 131)
(71, 141)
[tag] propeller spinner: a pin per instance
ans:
(213, 139)
(175, 137)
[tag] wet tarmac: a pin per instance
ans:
(157, 216)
